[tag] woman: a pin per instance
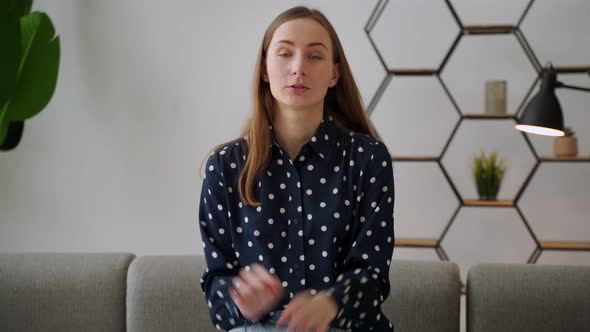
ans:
(296, 216)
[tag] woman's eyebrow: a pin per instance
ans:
(308, 45)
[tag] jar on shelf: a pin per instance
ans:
(566, 146)
(495, 97)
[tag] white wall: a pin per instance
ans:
(146, 88)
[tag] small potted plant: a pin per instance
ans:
(488, 172)
(566, 146)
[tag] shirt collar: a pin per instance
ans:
(324, 140)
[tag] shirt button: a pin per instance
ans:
(296, 266)
(295, 222)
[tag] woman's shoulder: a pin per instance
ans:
(235, 145)
(227, 156)
(364, 142)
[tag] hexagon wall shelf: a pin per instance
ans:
(439, 80)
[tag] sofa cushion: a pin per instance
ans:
(63, 291)
(164, 294)
(425, 296)
(526, 297)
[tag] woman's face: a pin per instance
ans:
(299, 64)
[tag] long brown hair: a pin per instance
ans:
(343, 100)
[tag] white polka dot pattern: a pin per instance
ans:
(336, 192)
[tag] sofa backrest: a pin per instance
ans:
(164, 294)
(526, 297)
(63, 292)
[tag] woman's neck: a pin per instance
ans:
(295, 127)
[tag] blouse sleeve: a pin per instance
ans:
(364, 282)
(222, 264)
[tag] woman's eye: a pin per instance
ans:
(283, 54)
(315, 57)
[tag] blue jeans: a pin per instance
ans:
(270, 326)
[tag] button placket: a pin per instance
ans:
(296, 233)
(304, 176)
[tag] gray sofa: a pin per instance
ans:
(519, 297)
(121, 292)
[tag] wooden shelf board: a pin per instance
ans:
(414, 158)
(564, 245)
(570, 69)
(488, 116)
(488, 29)
(475, 202)
(412, 71)
(552, 158)
(416, 243)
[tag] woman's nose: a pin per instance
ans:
(298, 66)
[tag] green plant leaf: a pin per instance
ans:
(488, 172)
(15, 8)
(24, 7)
(3, 130)
(38, 69)
(10, 40)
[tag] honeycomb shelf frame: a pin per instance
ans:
(474, 30)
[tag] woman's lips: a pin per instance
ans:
(297, 89)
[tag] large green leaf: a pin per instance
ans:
(3, 130)
(15, 8)
(10, 44)
(38, 68)
(10, 39)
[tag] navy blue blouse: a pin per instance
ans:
(325, 223)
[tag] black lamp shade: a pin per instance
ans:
(543, 114)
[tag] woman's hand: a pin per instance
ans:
(256, 292)
(307, 312)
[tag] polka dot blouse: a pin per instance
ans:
(325, 223)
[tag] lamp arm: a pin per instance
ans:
(561, 85)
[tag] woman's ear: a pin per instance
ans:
(335, 75)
